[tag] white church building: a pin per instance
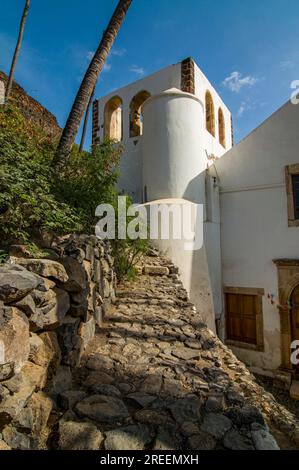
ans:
(178, 139)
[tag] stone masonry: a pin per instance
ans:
(188, 76)
(32, 109)
(49, 309)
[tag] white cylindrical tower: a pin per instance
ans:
(173, 152)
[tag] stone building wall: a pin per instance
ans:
(188, 76)
(32, 109)
(49, 309)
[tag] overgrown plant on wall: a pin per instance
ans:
(127, 252)
(33, 200)
(89, 179)
(27, 202)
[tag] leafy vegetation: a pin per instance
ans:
(28, 204)
(89, 179)
(127, 252)
(34, 200)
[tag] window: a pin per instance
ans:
(221, 126)
(244, 317)
(135, 113)
(292, 185)
(113, 119)
(210, 114)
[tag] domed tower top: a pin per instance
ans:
(120, 116)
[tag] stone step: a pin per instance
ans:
(173, 270)
(294, 390)
(153, 253)
(137, 294)
(176, 306)
(156, 270)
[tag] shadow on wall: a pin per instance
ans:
(200, 285)
(206, 267)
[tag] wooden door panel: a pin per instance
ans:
(241, 313)
(249, 330)
(235, 327)
(249, 305)
(232, 303)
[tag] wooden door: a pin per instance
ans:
(241, 312)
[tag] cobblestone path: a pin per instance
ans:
(155, 377)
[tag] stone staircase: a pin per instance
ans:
(294, 390)
(154, 377)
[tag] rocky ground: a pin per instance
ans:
(281, 396)
(155, 378)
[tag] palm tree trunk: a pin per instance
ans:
(86, 121)
(17, 51)
(88, 84)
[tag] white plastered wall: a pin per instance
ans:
(254, 218)
(211, 143)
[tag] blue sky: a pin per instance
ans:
(249, 49)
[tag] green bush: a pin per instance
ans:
(127, 252)
(27, 202)
(89, 179)
(33, 200)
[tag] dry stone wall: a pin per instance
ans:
(32, 109)
(49, 309)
